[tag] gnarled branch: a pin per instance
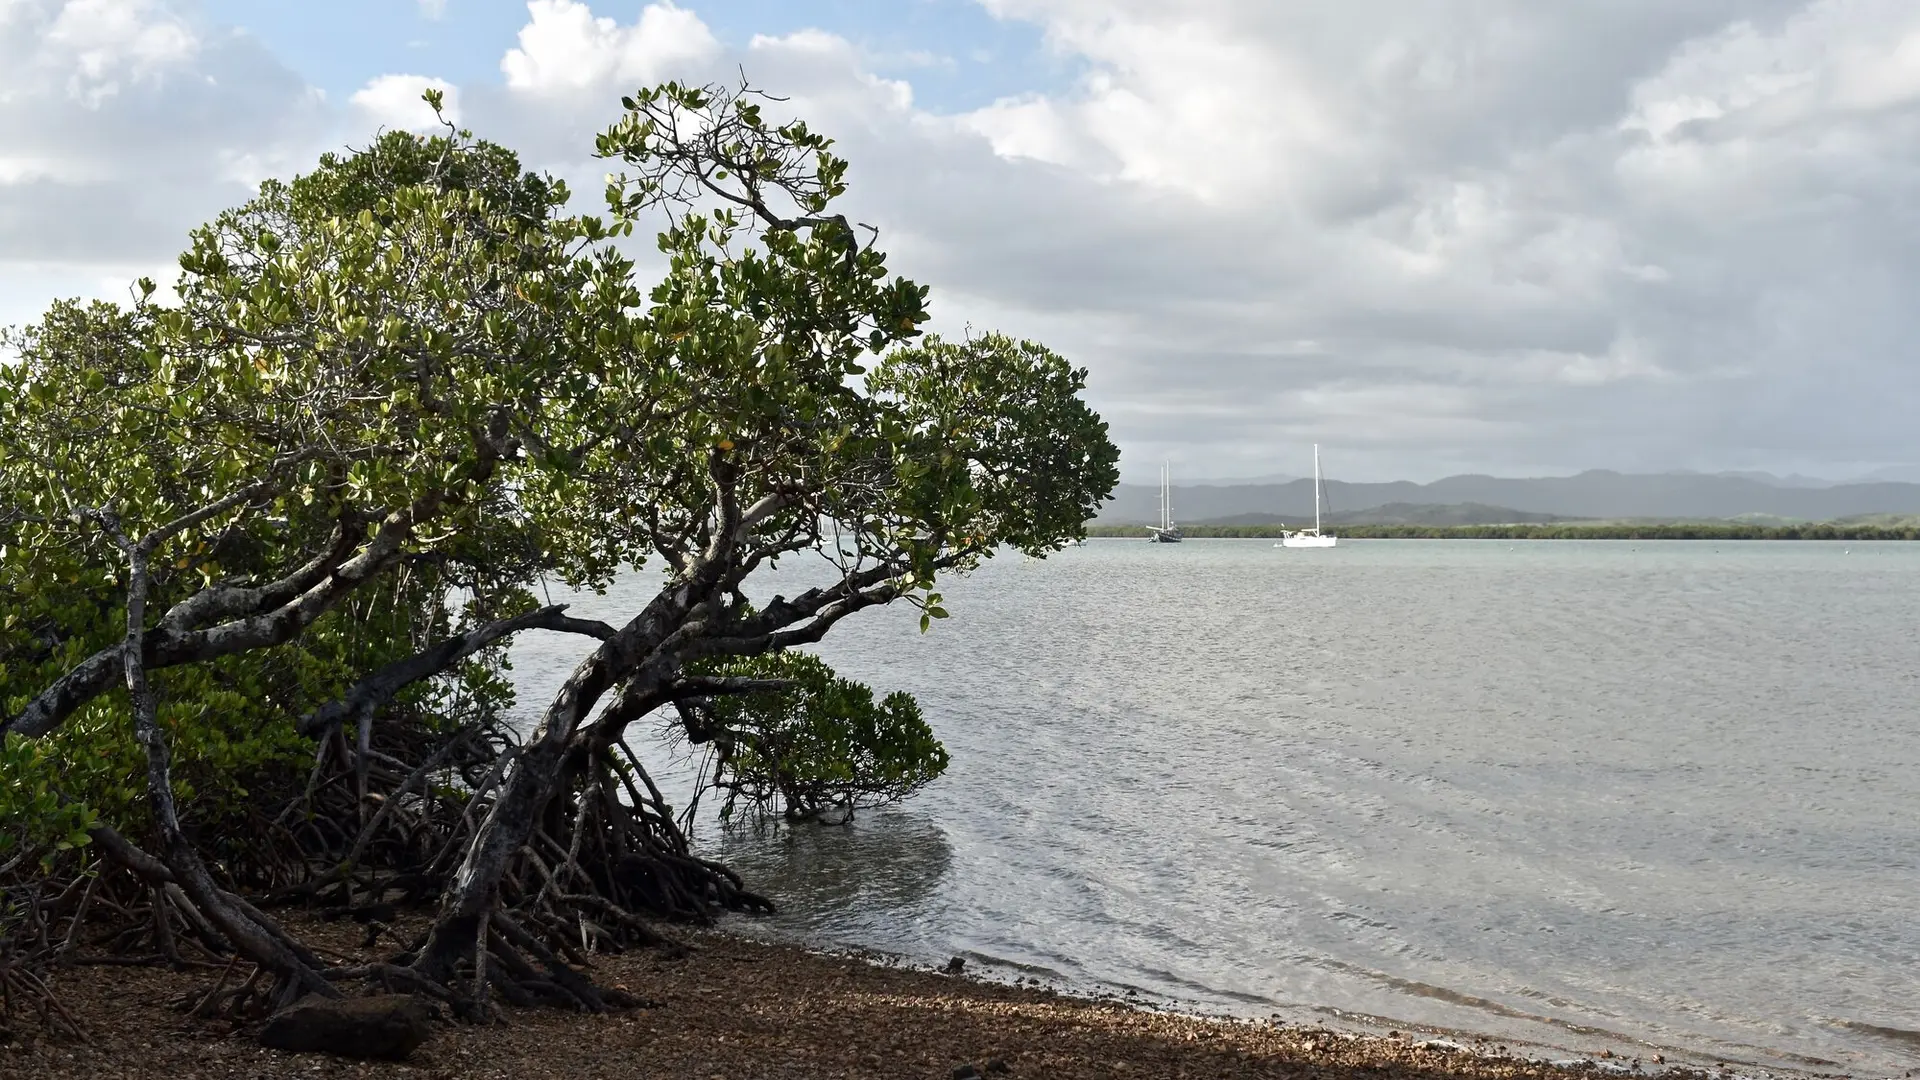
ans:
(374, 691)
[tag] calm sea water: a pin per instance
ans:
(1642, 796)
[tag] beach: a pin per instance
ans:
(739, 1009)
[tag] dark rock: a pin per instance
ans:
(956, 965)
(387, 1027)
(966, 1072)
(996, 1065)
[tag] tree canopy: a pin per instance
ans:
(262, 545)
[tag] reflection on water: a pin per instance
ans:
(838, 883)
(1579, 793)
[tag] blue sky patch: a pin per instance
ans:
(956, 55)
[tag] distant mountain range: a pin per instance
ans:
(1596, 494)
(1400, 514)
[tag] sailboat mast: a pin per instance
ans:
(1316, 487)
(1166, 488)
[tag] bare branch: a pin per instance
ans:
(229, 601)
(168, 647)
(374, 691)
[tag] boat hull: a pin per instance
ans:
(1307, 541)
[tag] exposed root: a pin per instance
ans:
(604, 867)
(22, 989)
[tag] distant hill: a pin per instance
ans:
(1597, 494)
(1881, 521)
(1401, 514)
(1792, 480)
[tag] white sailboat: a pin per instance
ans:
(1167, 532)
(1310, 538)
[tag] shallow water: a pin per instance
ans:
(1663, 791)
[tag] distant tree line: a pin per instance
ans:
(1676, 530)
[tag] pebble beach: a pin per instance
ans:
(739, 1009)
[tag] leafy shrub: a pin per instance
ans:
(821, 744)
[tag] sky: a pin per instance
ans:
(1433, 236)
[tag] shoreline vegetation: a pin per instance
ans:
(730, 1006)
(1665, 530)
(267, 536)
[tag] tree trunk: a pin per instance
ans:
(261, 941)
(638, 657)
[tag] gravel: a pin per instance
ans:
(735, 1009)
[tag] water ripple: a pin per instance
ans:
(1662, 792)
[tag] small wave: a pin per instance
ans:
(1203, 991)
(1911, 1038)
(1416, 988)
(1454, 997)
(1039, 970)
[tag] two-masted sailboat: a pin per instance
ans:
(1310, 538)
(1167, 532)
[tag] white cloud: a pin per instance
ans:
(828, 70)
(1621, 233)
(1175, 103)
(397, 101)
(1606, 234)
(565, 47)
(433, 9)
(102, 42)
(122, 126)
(1033, 127)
